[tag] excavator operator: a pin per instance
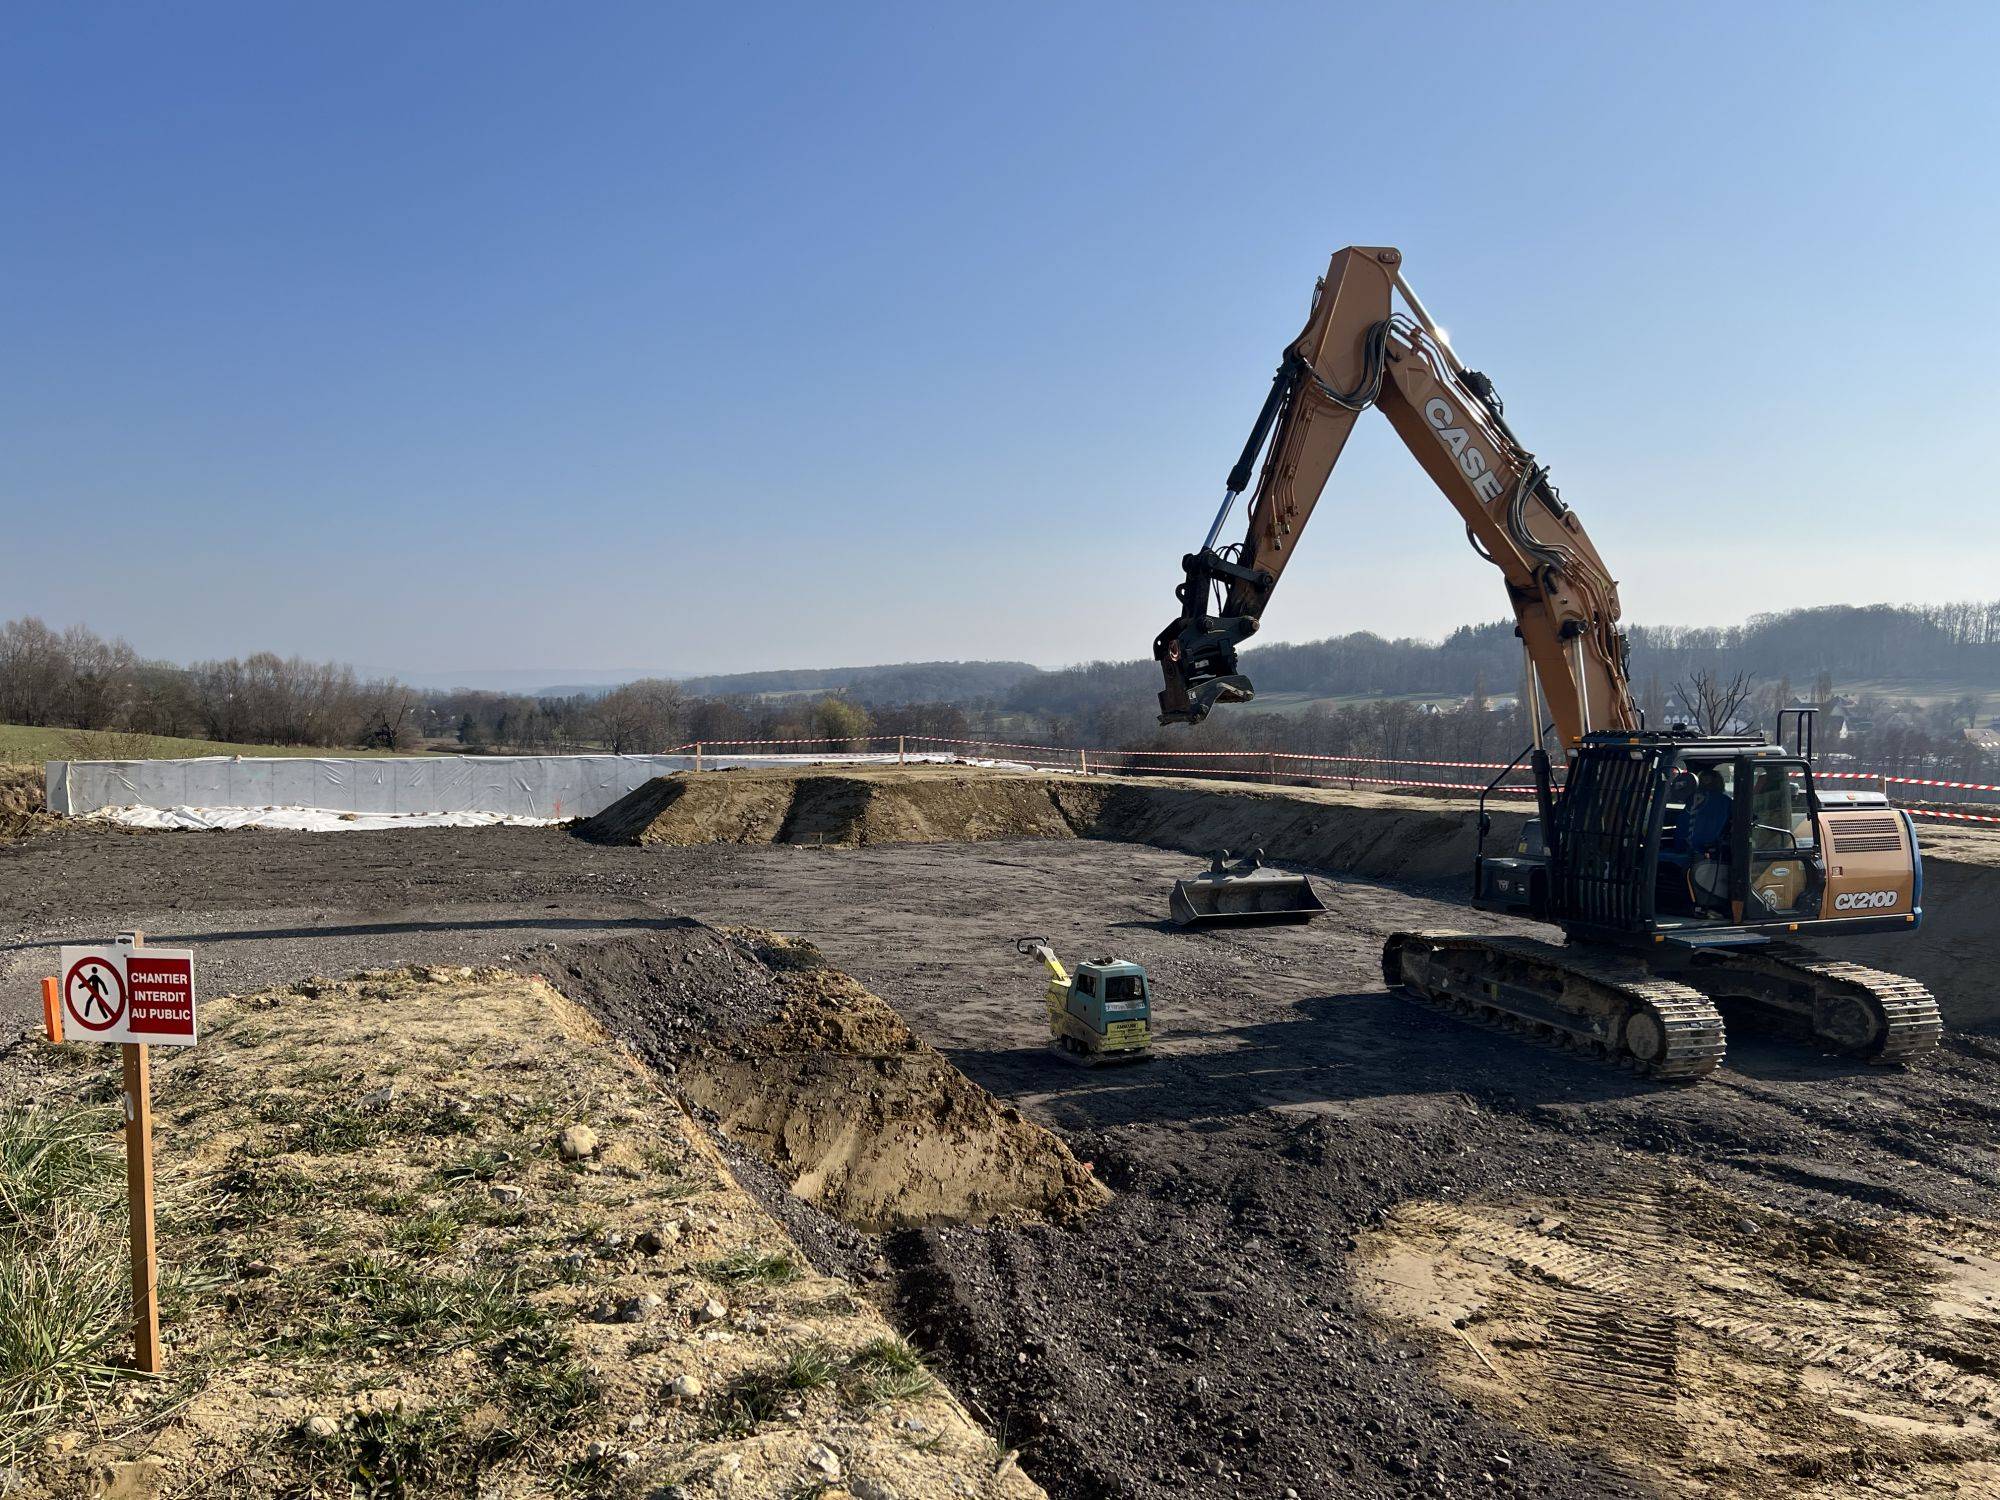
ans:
(1702, 828)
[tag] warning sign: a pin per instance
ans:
(93, 989)
(126, 994)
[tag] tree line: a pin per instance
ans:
(1458, 699)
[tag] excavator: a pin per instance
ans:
(1686, 870)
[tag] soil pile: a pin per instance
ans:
(826, 1084)
(726, 807)
(1357, 831)
(914, 806)
(1708, 1344)
(1391, 838)
(24, 807)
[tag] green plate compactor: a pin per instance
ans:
(1102, 1013)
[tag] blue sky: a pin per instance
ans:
(480, 336)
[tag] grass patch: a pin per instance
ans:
(890, 1370)
(749, 1404)
(397, 1452)
(751, 1267)
(545, 1384)
(313, 1125)
(251, 1193)
(63, 1267)
(482, 1165)
(809, 1367)
(432, 1232)
(367, 1302)
(24, 744)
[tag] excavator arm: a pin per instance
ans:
(1357, 351)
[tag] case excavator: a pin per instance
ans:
(1686, 870)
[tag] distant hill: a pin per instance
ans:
(1894, 648)
(903, 682)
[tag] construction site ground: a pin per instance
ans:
(1351, 1246)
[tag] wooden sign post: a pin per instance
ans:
(139, 1191)
(130, 994)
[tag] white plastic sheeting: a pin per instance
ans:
(547, 788)
(529, 786)
(306, 819)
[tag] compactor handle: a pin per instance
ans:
(1036, 946)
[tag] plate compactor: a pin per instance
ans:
(1103, 1013)
(1245, 892)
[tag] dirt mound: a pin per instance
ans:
(1389, 838)
(1359, 831)
(825, 1083)
(870, 1123)
(1715, 1346)
(919, 805)
(724, 808)
(24, 807)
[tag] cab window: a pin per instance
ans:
(1124, 987)
(1780, 808)
(1086, 984)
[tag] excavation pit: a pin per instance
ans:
(826, 1084)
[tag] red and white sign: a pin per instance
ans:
(126, 994)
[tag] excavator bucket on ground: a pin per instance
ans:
(1246, 892)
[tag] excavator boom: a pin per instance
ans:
(1357, 351)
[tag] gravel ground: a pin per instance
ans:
(1203, 1335)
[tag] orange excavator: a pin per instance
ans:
(1686, 870)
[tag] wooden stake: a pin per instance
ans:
(139, 1189)
(697, 757)
(139, 1196)
(899, 749)
(52, 1020)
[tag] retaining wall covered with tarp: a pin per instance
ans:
(534, 786)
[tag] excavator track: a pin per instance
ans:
(1846, 1007)
(1602, 1001)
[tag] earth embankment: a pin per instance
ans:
(1357, 832)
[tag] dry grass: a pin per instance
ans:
(23, 744)
(387, 1279)
(62, 1266)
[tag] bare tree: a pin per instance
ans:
(641, 718)
(34, 673)
(390, 716)
(1711, 702)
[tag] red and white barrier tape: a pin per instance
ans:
(1957, 786)
(1084, 757)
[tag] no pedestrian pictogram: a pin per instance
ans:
(94, 991)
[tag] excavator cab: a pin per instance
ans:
(1689, 840)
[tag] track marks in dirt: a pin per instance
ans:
(1682, 1336)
